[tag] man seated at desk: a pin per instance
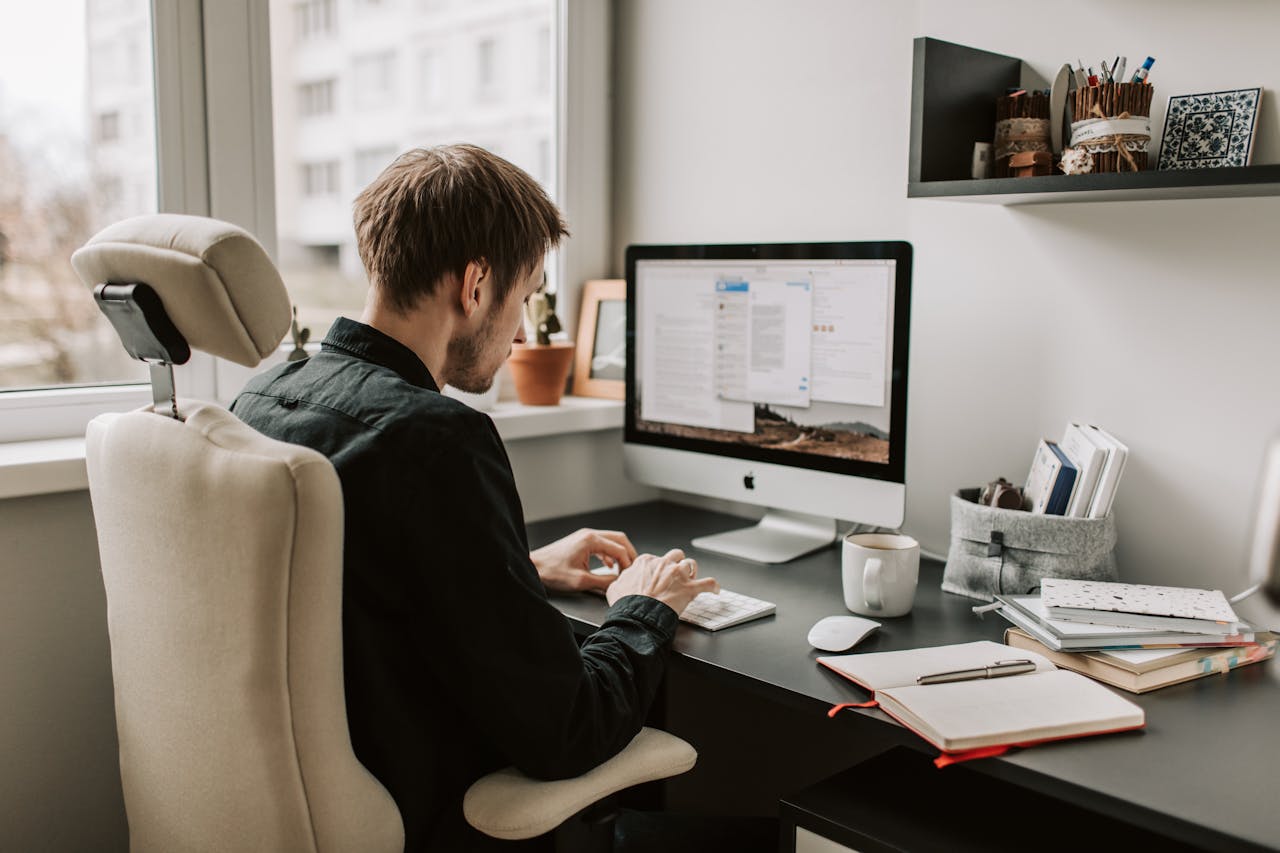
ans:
(456, 663)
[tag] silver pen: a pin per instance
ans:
(998, 669)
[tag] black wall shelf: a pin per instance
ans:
(953, 93)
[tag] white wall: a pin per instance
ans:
(746, 121)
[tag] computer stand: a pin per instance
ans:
(780, 537)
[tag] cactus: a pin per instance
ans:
(300, 338)
(540, 311)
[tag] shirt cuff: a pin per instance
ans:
(655, 615)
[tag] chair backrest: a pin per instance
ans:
(221, 555)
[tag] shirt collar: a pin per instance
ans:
(372, 345)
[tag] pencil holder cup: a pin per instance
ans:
(1008, 552)
(1111, 125)
(1022, 127)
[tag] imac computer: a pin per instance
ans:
(772, 374)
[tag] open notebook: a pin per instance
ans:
(1016, 710)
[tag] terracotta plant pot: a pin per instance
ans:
(540, 372)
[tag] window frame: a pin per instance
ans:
(215, 157)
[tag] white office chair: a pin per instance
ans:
(221, 556)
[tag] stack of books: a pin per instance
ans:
(1076, 476)
(1134, 636)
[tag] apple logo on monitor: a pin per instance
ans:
(749, 481)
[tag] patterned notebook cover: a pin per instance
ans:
(1179, 601)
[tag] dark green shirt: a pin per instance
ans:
(456, 664)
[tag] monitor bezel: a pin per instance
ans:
(891, 250)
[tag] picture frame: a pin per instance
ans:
(1210, 130)
(600, 360)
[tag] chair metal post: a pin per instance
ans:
(163, 392)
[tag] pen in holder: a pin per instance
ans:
(1111, 123)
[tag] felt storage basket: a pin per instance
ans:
(1007, 552)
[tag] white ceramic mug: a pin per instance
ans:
(880, 572)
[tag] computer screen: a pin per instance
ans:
(791, 355)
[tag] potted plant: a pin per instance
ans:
(540, 367)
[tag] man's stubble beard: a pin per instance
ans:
(465, 354)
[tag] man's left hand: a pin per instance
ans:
(565, 565)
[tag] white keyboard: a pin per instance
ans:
(713, 612)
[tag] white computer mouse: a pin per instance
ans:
(840, 633)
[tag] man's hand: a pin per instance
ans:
(672, 579)
(565, 565)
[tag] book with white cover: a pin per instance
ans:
(1105, 493)
(1029, 613)
(1089, 456)
(1045, 704)
(1045, 468)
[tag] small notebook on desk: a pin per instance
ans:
(982, 713)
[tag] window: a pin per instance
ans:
(371, 161)
(320, 179)
(542, 60)
(316, 98)
(486, 68)
(313, 19)
(434, 47)
(108, 126)
(200, 80)
(543, 160)
(70, 99)
(373, 78)
(430, 79)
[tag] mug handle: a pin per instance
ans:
(872, 594)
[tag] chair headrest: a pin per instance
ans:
(216, 282)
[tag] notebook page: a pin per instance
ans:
(1019, 709)
(879, 670)
(1141, 656)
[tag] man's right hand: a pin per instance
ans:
(672, 579)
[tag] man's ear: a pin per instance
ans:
(475, 280)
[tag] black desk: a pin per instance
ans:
(1201, 771)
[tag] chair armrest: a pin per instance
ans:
(511, 806)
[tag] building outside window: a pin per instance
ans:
(433, 45)
(69, 165)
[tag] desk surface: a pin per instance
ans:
(1203, 769)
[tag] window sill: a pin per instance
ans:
(57, 465)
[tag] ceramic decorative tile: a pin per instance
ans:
(1210, 130)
